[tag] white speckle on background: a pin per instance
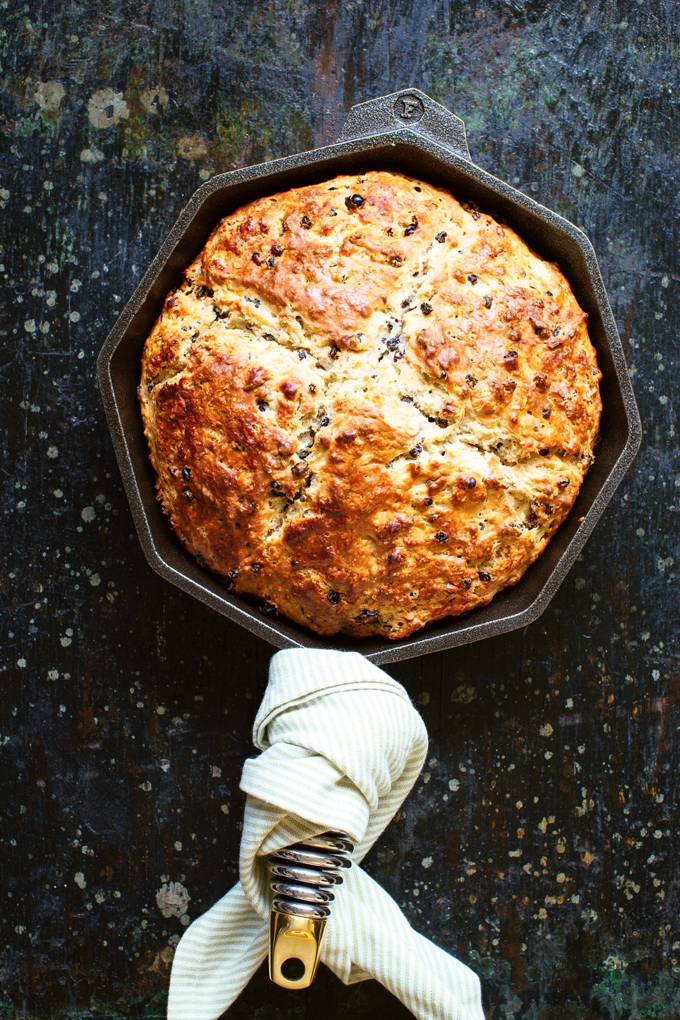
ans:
(426, 862)
(91, 156)
(192, 147)
(29, 325)
(464, 694)
(52, 452)
(173, 899)
(107, 108)
(95, 580)
(88, 514)
(79, 879)
(454, 784)
(150, 97)
(21, 663)
(49, 95)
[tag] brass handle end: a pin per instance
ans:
(295, 945)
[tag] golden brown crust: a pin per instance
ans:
(369, 405)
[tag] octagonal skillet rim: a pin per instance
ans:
(445, 158)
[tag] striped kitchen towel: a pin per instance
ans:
(341, 748)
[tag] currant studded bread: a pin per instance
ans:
(369, 405)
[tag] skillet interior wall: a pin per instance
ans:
(113, 816)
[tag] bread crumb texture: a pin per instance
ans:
(368, 404)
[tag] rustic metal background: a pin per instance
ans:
(540, 843)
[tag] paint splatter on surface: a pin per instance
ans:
(542, 846)
(173, 898)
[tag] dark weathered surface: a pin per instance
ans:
(540, 843)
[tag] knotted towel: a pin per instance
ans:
(341, 748)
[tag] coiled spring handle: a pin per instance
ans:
(303, 877)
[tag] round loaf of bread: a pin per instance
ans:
(368, 404)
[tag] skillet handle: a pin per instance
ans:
(410, 109)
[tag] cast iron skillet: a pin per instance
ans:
(407, 132)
